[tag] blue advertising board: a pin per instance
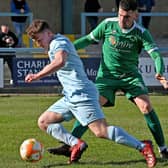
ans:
(24, 66)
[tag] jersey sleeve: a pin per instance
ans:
(58, 44)
(82, 42)
(95, 36)
(152, 49)
(98, 33)
(158, 60)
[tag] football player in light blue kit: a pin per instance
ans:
(80, 100)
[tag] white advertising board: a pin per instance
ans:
(147, 69)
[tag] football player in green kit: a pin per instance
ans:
(123, 39)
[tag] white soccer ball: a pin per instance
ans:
(31, 150)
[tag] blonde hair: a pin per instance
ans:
(37, 26)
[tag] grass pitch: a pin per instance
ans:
(18, 121)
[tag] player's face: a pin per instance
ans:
(126, 18)
(43, 39)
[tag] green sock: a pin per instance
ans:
(155, 127)
(78, 130)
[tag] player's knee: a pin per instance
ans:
(99, 128)
(42, 124)
(100, 134)
(145, 108)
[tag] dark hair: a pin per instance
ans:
(37, 26)
(128, 5)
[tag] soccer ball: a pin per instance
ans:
(31, 150)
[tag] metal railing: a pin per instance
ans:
(112, 14)
(159, 14)
(23, 52)
(99, 14)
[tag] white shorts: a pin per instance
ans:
(85, 112)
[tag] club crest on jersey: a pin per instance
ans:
(112, 40)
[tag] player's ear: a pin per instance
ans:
(136, 15)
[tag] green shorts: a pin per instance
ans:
(132, 86)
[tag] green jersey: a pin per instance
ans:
(121, 47)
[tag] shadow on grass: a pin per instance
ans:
(131, 162)
(97, 163)
(163, 161)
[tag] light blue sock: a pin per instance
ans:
(59, 132)
(121, 137)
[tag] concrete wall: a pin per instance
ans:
(51, 11)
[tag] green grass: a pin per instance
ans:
(18, 121)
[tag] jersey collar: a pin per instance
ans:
(125, 31)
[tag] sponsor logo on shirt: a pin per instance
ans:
(122, 44)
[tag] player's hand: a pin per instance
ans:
(30, 77)
(162, 80)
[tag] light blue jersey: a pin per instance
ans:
(76, 85)
(81, 98)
